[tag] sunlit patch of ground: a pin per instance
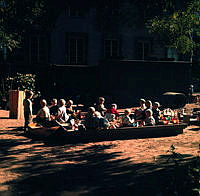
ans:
(6, 176)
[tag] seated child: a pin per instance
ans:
(70, 111)
(149, 120)
(100, 107)
(126, 120)
(91, 120)
(69, 108)
(53, 107)
(148, 105)
(139, 115)
(142, 104)
(156, 112)
(43, 114)
(101, 121)
(112, 113)
(62, 116)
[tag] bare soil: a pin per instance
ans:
(128, 167)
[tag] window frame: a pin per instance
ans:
(77, 37)
(40, 54)
(111, 48)
(143, 54)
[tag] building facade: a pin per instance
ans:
(87, 49)
(87, 34)
(77, 39)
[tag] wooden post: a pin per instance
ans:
(16, 98)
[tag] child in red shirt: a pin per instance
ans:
(112, 113)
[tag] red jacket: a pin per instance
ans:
(113, 111)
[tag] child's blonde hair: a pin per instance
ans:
(43, 102)
(114, 105)
(70, 101)
(54, 101)
(91, 110)
(150, 111)
(97, 114)
(142, 101)
(157, 103)
(62, 102)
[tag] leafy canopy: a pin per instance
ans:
(15, 17)
(18, 81)
(180, 30)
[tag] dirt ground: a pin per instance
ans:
(30, 167)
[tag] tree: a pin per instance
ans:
(15, 17)
(179, 30)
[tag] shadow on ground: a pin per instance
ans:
(195, 129)
(78, 169)
(4, 118)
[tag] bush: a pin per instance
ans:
(20, 82)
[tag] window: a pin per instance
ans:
(143, 49)
(111, 48)
(3, 53)
(172, 53)
(38, 49)
(76, 48)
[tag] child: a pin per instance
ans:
(112, 113)
(62, 116)
(156, 112)
(53, 107)
(69, 108)
(148, 105)
(149, 120)
(100, 107)
(102, 122)
(139, 117)
(126, 120)
(43, 115)
(91, 120)
(27, 109)
(142, 104)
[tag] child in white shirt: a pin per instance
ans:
(43, 114)
(126, 120)
(149, 120)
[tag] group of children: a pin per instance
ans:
(97, 117)
(147, 114)
(57, 112)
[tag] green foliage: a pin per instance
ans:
(21, 82)
(180, 29)
(15, 17)
(8, 40)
